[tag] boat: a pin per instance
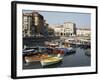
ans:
(51, 44)
(51, 60)
(28, 51)
(35, 58)
(68, 50)
(71, 50)
(64, 51)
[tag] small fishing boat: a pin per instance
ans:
(66, 51)
(51, 60)
(35, 58)
(28, 51)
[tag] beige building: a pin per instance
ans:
(33, 24)
(45, 29)
(27, 24)
(38, 22)
(83, 32)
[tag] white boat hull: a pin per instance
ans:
(44, 63)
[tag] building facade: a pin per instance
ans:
(27, 24)
(38, 22)
(83, 32)
(67, 29)
(54, 30)
(33, 24)
(45, 29)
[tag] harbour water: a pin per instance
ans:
(77, 59)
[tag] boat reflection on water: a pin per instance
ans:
(53, 65)
(37, 65)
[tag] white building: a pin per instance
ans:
(67, 29)
(83, 32)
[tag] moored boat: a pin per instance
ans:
(66, 51)
(51, 60)
(35, 58)
(71, 50)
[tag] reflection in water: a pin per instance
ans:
(54, 65)
(88, 52)
(77, 59)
